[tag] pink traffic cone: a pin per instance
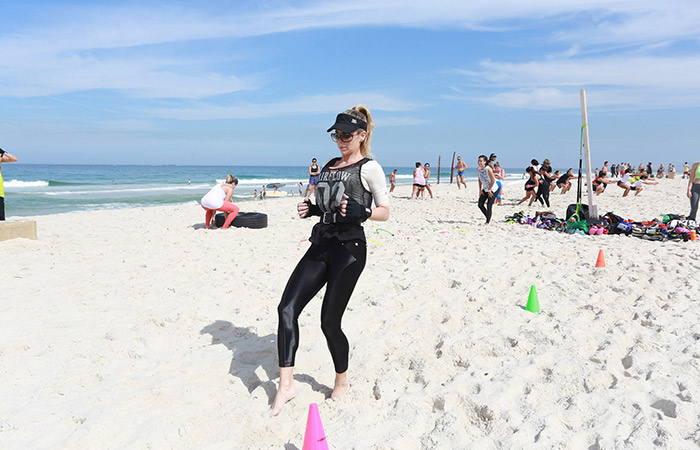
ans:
(600, 262)
(315, 437)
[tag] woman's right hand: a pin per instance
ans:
(303, 208)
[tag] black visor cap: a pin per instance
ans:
(347, 123)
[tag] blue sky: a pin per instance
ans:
(258, 82)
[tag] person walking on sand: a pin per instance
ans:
(488, 189)
(392, 180)
(219, 199)
(5, 157)
(693, 190)
(426, 175)
(460, 167)
(418, 181)
(348, 185)
(686, 170)
(314, 170)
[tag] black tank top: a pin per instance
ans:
(332, 184)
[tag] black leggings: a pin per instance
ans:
(339, 264)
(543, 193)
(694, 198)
(2, 208)
(485, 199)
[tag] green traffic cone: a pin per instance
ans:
(533, 303)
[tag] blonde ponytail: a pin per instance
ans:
(361, 112)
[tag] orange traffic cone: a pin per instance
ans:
(314, 438)
(601, 259)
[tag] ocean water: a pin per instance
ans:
(38, 189)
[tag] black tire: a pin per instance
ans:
(244, 219)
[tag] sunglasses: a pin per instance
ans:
(344, 137)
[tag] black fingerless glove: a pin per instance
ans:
(314, 210)
(2, 153)
(353, 212)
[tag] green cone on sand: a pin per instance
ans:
(533, 303)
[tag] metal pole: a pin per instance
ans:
(592, 209)
(438, 169)
(452, 168)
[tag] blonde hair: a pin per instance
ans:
(231, 179)
(361, 112)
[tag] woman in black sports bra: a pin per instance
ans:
(347, 188)
(530, 185)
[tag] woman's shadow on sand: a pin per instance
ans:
(251, 351)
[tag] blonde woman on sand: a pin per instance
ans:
(348, 187)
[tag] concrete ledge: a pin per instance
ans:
(13, 230)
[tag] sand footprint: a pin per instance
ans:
(683, 395)
(668, 407)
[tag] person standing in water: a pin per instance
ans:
(5, 157)
(348, 186)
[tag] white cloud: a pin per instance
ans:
(640, 82)
(81, 47)
(316, 104)
(125, 25)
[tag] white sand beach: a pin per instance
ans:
(138, 328)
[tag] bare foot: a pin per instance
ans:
(342, 385)
(284, 394)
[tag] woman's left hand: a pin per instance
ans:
(344, 205)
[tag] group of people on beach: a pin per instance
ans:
(628, 180)
(351, 189)
(616, 170)
(541, 180)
